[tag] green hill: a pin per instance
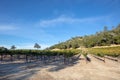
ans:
(103, 38)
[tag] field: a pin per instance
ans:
(109, 51)
(58, 65)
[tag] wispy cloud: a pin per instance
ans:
(7, 27)
(68, 20)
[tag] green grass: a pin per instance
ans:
(109, 51)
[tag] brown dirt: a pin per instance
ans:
(94, 70)
(81, 70)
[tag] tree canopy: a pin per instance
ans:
(37, 46)
(13, 47)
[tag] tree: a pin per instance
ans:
(3, 50)
(75, 45)
(37, 46)
(69, 45)
(105, 28)
(63, 46)
(13, 47)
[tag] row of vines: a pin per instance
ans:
(109, 51)
(112, 53)
(46, 56)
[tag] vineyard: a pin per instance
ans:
(112, 53)
(65, 56)
(60, 64)
(109, 51)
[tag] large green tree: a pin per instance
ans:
(13, 47)
(37, 46)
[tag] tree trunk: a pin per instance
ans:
(1, 57)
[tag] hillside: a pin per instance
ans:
(103, 38)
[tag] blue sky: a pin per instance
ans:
(46, 22)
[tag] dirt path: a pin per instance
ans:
(80, 70)
(94, 70)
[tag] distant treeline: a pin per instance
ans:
(103, 38)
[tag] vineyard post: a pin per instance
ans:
(64, 58)
(1, 57)
(11, 57)
(26, 58)
(104, 58)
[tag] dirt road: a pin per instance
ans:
(80, 70)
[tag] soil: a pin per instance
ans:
(79, 70)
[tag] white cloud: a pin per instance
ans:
(68, 20)
(7, 28)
